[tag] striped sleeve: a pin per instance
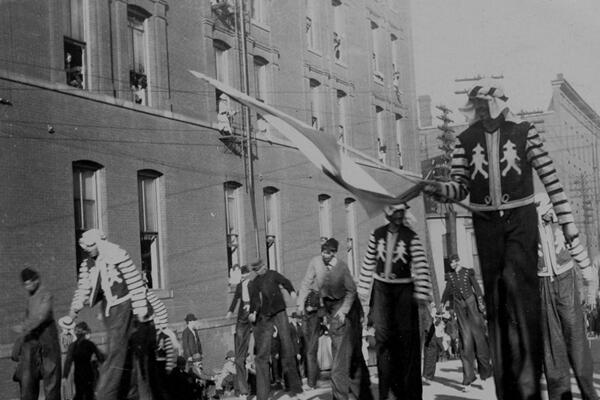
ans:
(579, 253)
(365, 278)
(160, 315)
(458, 186)
(420, 271)
(84, 287)
(135, 284)
(171, 355)
(544, 166)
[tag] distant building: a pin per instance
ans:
(570, 129)
(108, 129)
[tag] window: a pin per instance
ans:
(394, 45)
(233, 224)
(315, 104)
(377, 74)
(398, 123)
(381, 146)
(149, 208)
(325, 217)
(259, 11)
(138, 41)
(75, 46)
(311, 24)
(260, 78)
(86, 200)
(342, 98)
(221, 65)
(272, 227)
(338, 30)
(352, 234)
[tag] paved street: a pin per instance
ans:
(446, 386)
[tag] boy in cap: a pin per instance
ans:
(337, 291)
(190, 340)
(394, 278)
(268, 310)
(226, 377)
(243, 330)
(40, 349)
(464, 293)
(80, 354)
(493, 163)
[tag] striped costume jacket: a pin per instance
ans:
(496, 169)
(114, 276)
(408, 264)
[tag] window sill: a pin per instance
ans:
(261, 25)
(341, 64)
(315, 51)
(163, 293)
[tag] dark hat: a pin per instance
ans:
(29, 274)
(245, 269)
(330, 244)
(82, 328)
(454, 257)
(230, 354)
(256, 265)
(190, 317)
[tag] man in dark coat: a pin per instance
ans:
(190, 341)
(39, 356)
(268, 310)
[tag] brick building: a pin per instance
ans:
(103, 126)
(570, 129)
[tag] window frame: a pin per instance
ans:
(79, 168)
(234, 228)
(272, 210)
(157, 269)
(325, 217)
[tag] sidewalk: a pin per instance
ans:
(445, 386)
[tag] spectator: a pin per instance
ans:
(190, 339)
(80, 354)
(39, 350)
(224, 380)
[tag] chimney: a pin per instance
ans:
(425, 118)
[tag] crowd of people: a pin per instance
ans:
(527, 320)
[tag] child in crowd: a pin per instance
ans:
(80, 354)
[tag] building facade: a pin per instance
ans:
(570, 130)
(104, 127)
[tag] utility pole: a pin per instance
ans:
(249, 160)
(447, 143)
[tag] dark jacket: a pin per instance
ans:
(265, 295)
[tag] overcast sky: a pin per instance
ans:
(528, 41)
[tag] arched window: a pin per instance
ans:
(149, 198)
(86, 200)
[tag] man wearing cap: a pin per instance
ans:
(108, 275)
(394, 278)
(268, 310)
(190, 340)
(337, 290)
(493, 163)
(243, 329)
(464, 294)
(40, 349)
(563, 324)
